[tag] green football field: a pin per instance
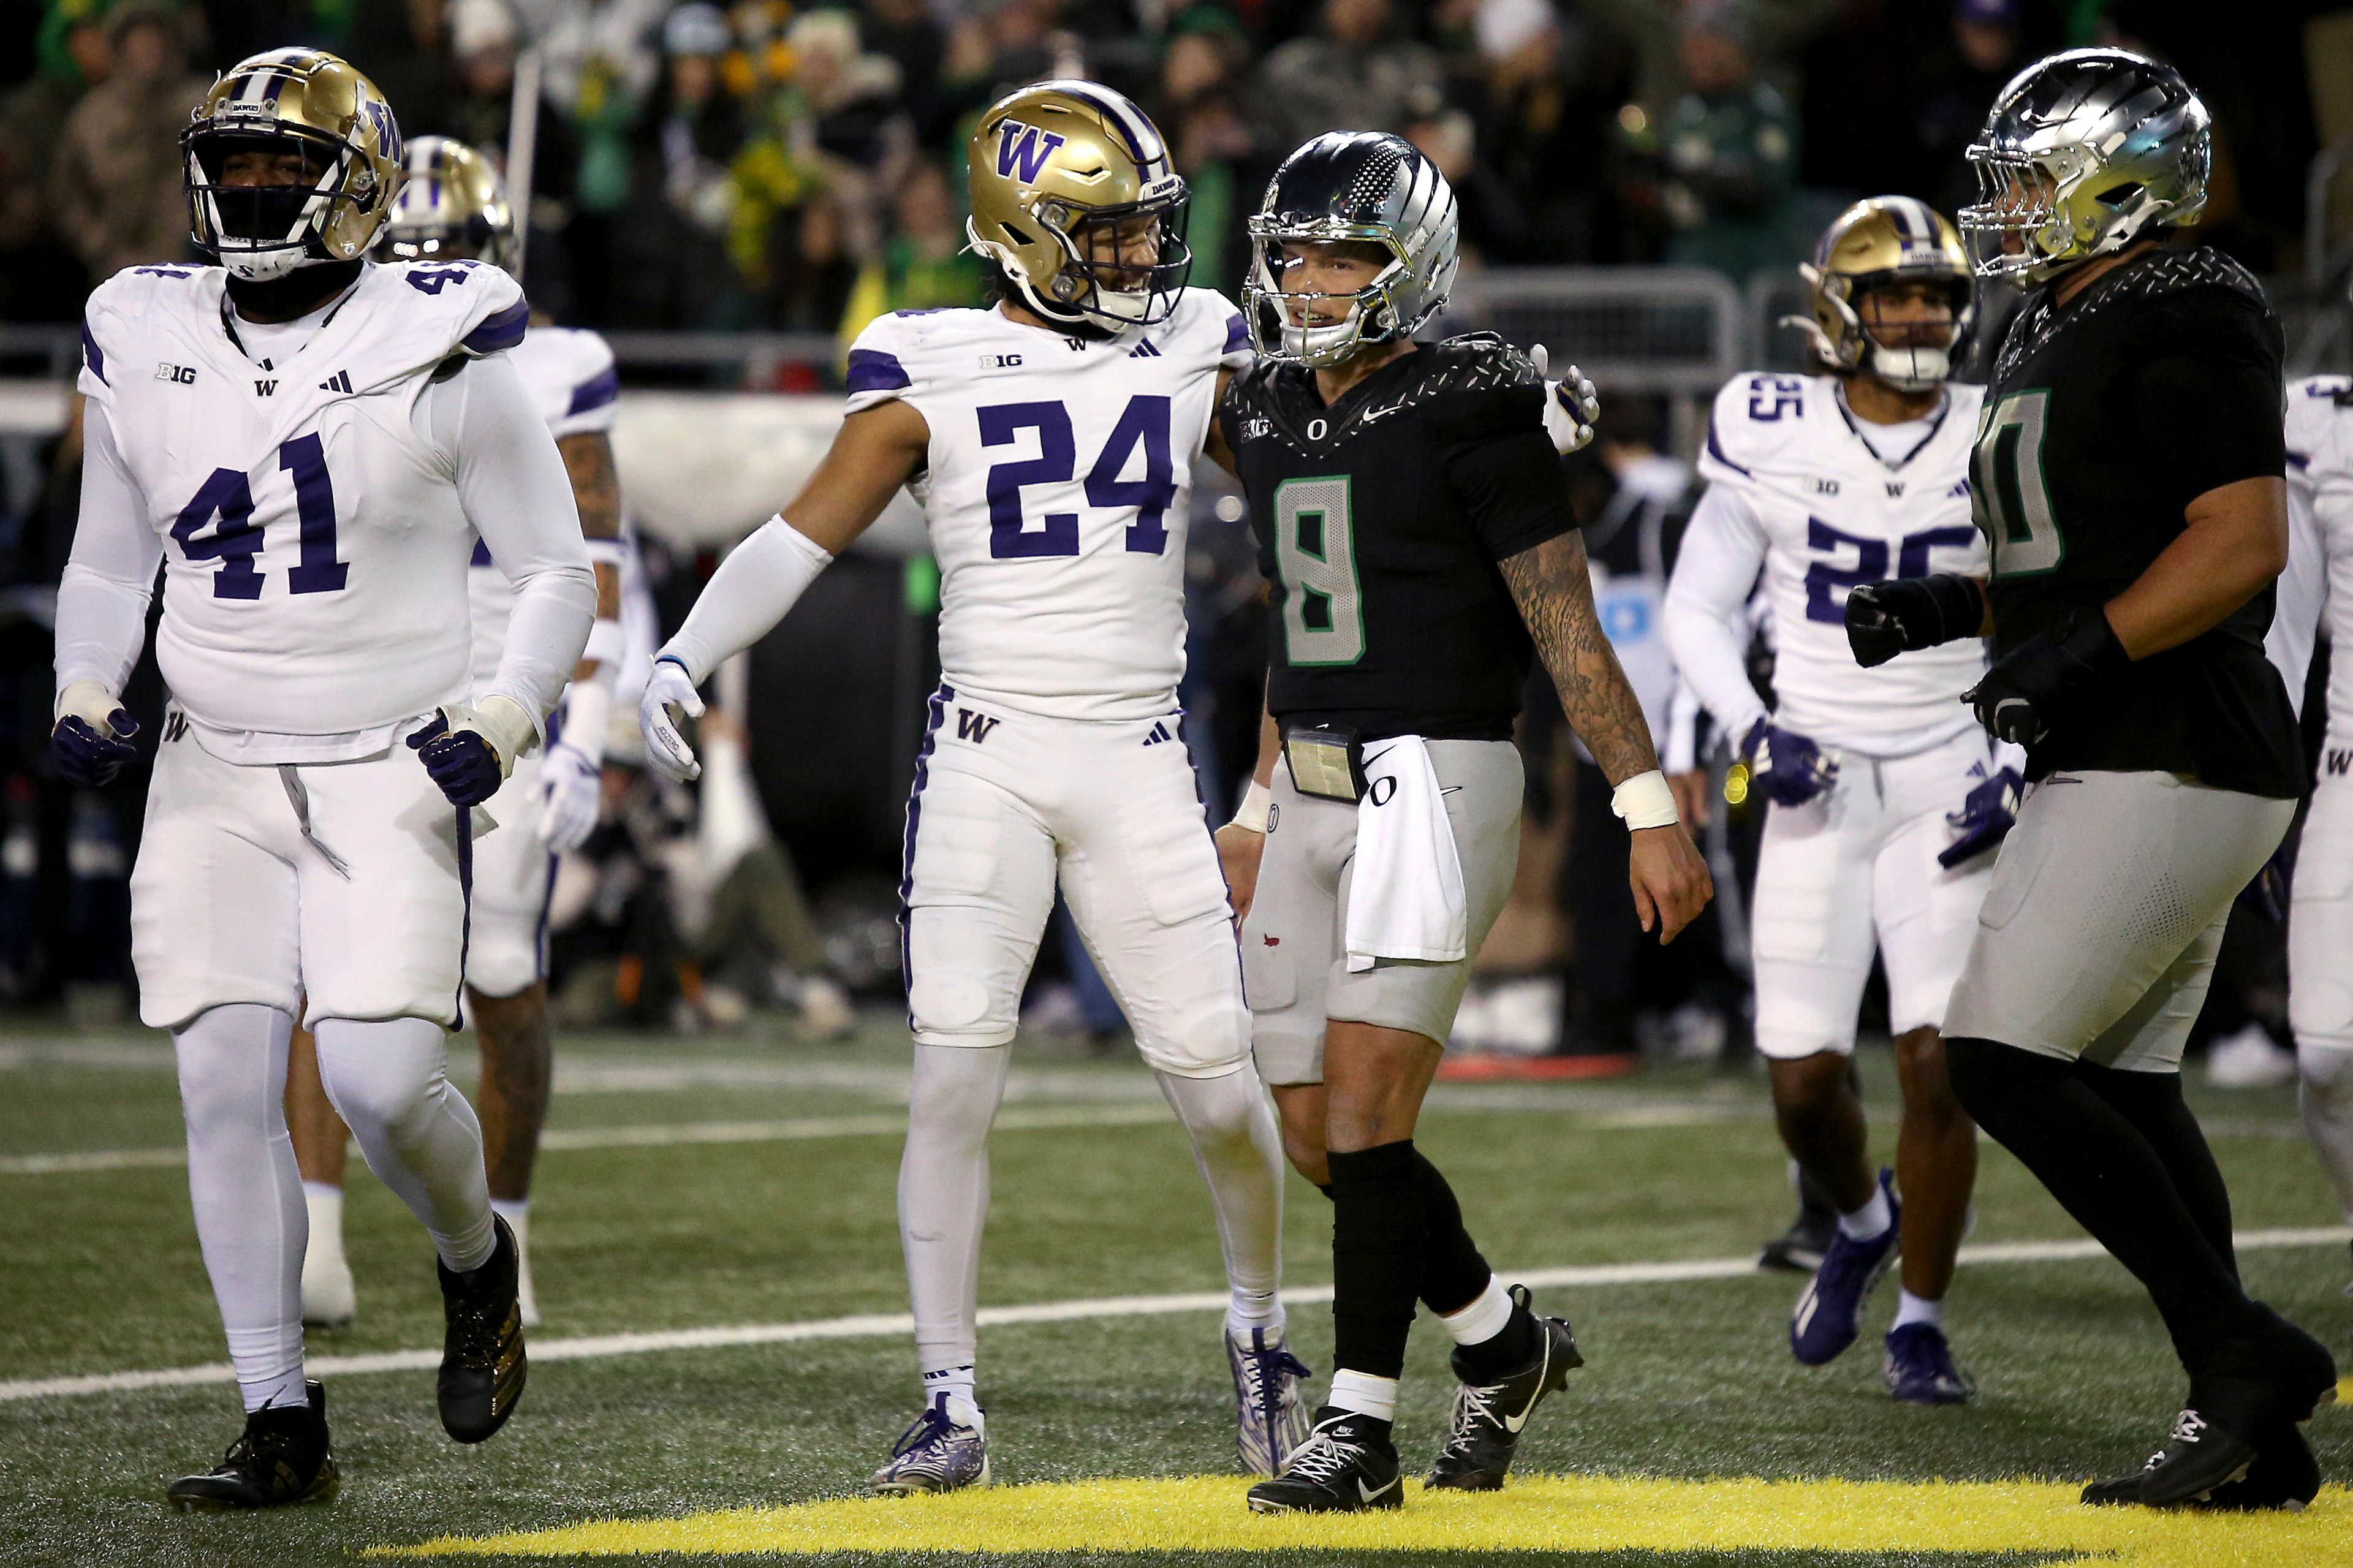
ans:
(744, 1182)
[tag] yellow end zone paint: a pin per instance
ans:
(1547, 1513)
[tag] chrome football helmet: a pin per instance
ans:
(1880, 241)
(2083, 152)
(1368, 188)
(291, 101)
(1061, 175)
(451, 202)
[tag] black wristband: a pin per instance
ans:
(2091, 645)
(1960, 606)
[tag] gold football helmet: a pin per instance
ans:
(303, 101)
(451, 203)
(1879, 241)
(1074, 199)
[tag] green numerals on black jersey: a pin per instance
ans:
(2006, 478)
(1316, 552)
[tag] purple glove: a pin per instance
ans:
(1788, 768)
(88, 758)
(1988, 814)
(460, 762)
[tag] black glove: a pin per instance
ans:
(2041, 675)
(460, 761)
(88, 758)
(1883, 619)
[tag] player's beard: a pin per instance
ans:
(298, 294)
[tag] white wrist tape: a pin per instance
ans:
(1645, 801)
(1258, 804)
(606, 643)
(94, 705)
(587, 708)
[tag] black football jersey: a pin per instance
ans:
(1380, 521)
(2104, 419)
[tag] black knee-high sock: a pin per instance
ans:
(2105, 1173)
(2152, 1102)
(1379, 1233)
(1452, 1271)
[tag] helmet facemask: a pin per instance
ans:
(1125, 266)
(1911, 356)
(1286, 324)
(263, 231)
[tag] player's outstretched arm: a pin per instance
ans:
(102, 610)
(1554, 593)
(877, 450)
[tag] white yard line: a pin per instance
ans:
(599, 1347)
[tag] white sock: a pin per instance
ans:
(246, 1191)
(1238, 1149)
(324, 1201)
(944, 1194)
(2324, 1089)
(950, 1382)
(389, 1081)
(1871, 1221)
(1363, 1394)
(1483, 1318)
(1911, 1309)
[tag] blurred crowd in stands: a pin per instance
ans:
(795, 167)
(773, 166)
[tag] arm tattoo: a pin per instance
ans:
(1556, 599)
(588, 459)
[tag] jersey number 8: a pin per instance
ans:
(1316, 554)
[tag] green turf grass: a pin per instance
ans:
(1689, 1380)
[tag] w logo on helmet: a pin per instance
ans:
(1024, 148)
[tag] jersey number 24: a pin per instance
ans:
(1143, 423)
(228, 496)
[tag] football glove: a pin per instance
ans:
(572, 781)
(1789, 768)
(1988, 814)
(93, 735)
(2041, 677)
(1883, 619)
(1572, 407)
(670, 687)
(470, 751)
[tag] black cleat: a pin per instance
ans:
(2284, 1477)
(482, 1362)
(1346, 1463)
(2198, 1458)
(282, 1457)
(1485, 1424)
(1800, 1249)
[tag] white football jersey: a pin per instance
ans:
(315, 546)
(2319, 583)
(1057, 489)
(1834, 513)
(571, 375)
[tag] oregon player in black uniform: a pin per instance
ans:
(1413, 525)
(2128, 478)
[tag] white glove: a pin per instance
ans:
(570, 798)
(1571, 405)
(669, 687)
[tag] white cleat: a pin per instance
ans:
(946, 1449)
(1270, 1400)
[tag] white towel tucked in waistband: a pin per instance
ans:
(1405, 898)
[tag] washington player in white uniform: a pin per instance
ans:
(2318, 585)
(310, 445)
(1051, 441)
(1885, 795)
(452, 206)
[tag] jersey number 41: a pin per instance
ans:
(236, 540)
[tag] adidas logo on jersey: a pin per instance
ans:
(1143, 351)
(339, 381)
(1159, 733)
(185, 374)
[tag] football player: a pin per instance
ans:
(1414, 531)
(1885, 796)
(1051, 440)
(2320, 922)
(453, 207)
(2130, 583)
(309, 445)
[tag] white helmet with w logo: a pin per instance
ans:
(1074, 199)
